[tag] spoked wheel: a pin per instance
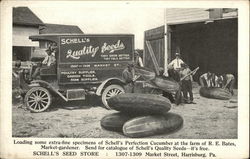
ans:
(38, 99)
(109, 92)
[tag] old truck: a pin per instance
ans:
(85, 64)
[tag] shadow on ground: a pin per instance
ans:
(89, 102)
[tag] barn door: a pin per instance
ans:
(152, 55)
(155, 37)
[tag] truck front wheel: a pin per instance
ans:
(37, 99)
(109, 92)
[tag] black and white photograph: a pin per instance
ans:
(181, 75)
(125, 72)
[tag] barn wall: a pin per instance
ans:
(211, 44)
(175, 15)
(156, 35)
(213, 47)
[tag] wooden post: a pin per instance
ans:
(151, 52)
(166, 44)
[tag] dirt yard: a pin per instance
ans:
(207, 119)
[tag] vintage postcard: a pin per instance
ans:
(124, 79)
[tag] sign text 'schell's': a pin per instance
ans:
(74, 40)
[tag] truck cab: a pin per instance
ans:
(85, 64)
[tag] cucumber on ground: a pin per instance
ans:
(152, 125)
(215, 93)
(115, 121)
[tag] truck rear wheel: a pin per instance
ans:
(37, 99)
(109, 92)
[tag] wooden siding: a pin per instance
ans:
(175, 15)
(21, 36)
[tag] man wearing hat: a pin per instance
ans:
(174, 67)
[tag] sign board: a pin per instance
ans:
(93, 58)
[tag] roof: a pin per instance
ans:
(24, 16)
(59, 28)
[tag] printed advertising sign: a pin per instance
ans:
(90, 58)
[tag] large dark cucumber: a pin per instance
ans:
(152, 125)
(145, 73)
(140, 104)
(115, 121)
(165, 84)
(215, 93)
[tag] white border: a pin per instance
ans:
(11, 151)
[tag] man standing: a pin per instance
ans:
(129, 78)
(174, 67)
(186, 83)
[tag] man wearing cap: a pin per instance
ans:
(174, 67)
(129, 77)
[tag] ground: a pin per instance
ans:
(207, 119)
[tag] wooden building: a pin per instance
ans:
(207, 38)
(25, 23)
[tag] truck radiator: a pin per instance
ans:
(76, 94)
